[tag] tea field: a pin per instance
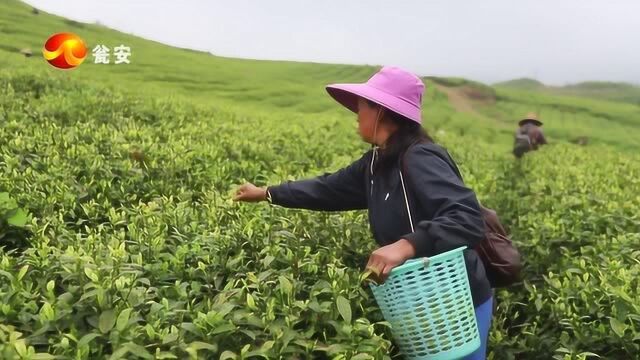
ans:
(119, 239)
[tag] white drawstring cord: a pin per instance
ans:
(373, 156)
(406, 201)
(375, 149)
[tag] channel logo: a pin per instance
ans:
(64, 50)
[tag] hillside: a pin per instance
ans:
(522, 84)
(255, 87)
(602, 90)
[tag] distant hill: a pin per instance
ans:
(522, 83)
(605, 90)
(472, 89)
(616, 91)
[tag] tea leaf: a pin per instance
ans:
(107, 321)
(91, 274)
(86, 339)
(199, 345)
(223, 328)
(344, 307)
(123, 319)
(618, 327)
(140, 351)
(42, 356)
(18, 218)
(22, 272)
(228, 355)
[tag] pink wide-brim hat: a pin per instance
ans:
(396, 89)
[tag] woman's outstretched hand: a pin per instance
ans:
(250, 193)
(383, 259)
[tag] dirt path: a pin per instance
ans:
(458, 99)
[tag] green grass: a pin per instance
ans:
(605, 90)
(602, 90)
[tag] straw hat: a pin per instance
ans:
(531, 117)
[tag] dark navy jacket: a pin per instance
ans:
(445, 213)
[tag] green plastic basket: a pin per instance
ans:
(428, 303)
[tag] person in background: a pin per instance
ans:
(529, 135)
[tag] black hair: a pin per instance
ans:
(408, 133)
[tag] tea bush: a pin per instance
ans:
(128, 245)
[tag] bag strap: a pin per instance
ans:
(442, 157)
(442, 154)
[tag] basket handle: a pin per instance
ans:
(425, 261)
(369, 276)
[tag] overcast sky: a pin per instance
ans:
(555, 41)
